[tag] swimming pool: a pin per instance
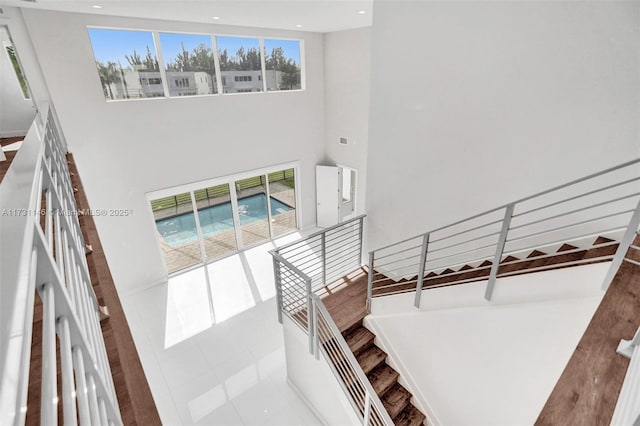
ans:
(181, 229)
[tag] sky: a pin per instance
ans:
(113, 45)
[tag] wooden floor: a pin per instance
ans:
(588, 389)
(4, 165)
(9, 141)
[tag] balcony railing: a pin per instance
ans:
(43, 252)
(301, 269)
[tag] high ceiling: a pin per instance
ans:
(301, 15)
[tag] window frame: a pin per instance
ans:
(229, 180)
(161, 62)
(5, 46)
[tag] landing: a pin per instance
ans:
(346, 299)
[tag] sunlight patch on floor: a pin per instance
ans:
(188, 312)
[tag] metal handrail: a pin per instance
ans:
(50, 260)
(351, 360)
(319, 233)
(296, 299)
(539, 194)
(543, 225)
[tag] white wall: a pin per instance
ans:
(125, 149)
(469, 362)
(314, 380)
(16, 112)
(476, 104)
(347, 70)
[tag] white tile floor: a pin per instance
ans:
(224, 366)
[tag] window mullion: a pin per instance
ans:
(269, 218)
(161, 65)
(216, 64)
(196, 217)
(236, 214)
(263, 64)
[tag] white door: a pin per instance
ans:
(328, 183)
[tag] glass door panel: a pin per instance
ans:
(252, 209)
(177, 233)
(282, 191)
(216, 221)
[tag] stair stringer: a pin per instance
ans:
(418, 399)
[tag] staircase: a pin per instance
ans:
(384, 379)
(589, 220)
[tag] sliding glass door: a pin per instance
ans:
(253, 210)
(282, 192)
(177, 231)
(216, 221)
(230, 216)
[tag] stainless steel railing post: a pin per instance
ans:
(627, 239)
(420, 278)
(502, 239)
(370, 281)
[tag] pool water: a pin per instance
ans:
(181, 229)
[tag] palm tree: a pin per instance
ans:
(109, 74)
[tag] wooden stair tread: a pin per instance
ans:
(371, 358)
(410, 416)
(509, 259)
(396, 400)
(566, 247)
(383, 378)
(359, 340)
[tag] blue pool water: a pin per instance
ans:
(181, 229)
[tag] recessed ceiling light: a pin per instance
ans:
(96, 6)
(215, 18)
(298, 26)
(362, 12)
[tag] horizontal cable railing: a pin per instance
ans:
(496, 243)
(328, 254)
(45, 233)
(300, 270)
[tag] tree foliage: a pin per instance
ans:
(278, 61)
(109, 73)
(243, 60)
(199, 59)
(148, 63)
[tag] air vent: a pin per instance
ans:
(343, 141)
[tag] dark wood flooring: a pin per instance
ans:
(587, 391)
(9, 141)
(4, 165)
